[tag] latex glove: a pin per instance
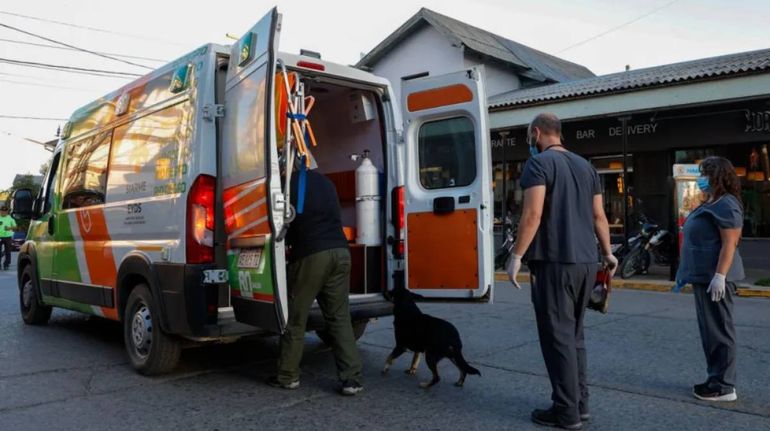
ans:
(513, 268)
(611, 263)
(717, 287)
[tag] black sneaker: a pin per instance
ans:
(549, 418)
(708, 392)
(351, 387)
(585, 417)
(274, 382)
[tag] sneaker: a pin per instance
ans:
(274, 382)
(707, 392)
(350, 388)
(550, 419)
(585, 417)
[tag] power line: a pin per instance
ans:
(71, 69)
(21, 117)
(44, 45)
(606, 32)
(83, 27)
(73, 46)
(36, 84)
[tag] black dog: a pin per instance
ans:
(422, 333)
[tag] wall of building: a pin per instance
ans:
(426, 50)
(498, 78)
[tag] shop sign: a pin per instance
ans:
(757, 121)
(686, 170)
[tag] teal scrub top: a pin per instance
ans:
(702, 242)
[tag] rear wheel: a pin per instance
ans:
(359, 327)
(33, 311)
(149, 349)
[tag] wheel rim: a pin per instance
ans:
(26, 294)
(141, 331)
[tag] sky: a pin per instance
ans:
(603, 35)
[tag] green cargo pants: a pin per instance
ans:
(325, 277)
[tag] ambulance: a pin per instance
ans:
(167, 201)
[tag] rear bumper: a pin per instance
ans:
(189, 307)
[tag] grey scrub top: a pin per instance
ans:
(702, 242)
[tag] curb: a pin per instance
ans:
(749, 291)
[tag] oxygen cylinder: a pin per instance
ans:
(367, 203)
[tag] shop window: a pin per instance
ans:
(447, 153)
(85, 175)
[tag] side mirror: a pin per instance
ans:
(21, 204)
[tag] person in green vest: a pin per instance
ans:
(7, 227)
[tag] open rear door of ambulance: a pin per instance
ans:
(448, 187)
(250, 181)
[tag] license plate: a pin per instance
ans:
(249, 258)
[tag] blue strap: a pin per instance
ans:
(296, 116)
(301, 186)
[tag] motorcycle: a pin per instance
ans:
(506, 248)
(651, 244)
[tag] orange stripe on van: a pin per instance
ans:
(436, 97)
(244, 205)
(99, 259)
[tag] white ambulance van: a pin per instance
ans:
(165, 205)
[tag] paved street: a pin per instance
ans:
(644, 356)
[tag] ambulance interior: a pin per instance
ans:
(347, 121)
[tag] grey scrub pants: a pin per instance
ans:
(717, 334)
(560, 293)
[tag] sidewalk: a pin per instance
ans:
(657, 283)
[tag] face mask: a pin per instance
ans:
(533, 146)
(703, 184)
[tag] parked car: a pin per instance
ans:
(17, 240)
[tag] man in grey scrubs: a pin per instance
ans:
(562, 217)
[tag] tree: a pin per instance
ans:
(26, 181)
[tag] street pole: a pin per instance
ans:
(504, 209)
(624, 124)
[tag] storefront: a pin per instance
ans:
(655, 142)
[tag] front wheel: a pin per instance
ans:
(33, 311)
(149, 349)
(632, 264)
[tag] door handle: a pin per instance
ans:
(51, 227)
(443, 205)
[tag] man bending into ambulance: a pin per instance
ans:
(319, 269)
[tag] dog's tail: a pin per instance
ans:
(464, 365)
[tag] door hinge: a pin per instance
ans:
(215, 276)
(213, 110)
(473, 74)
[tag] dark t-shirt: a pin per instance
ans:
(703, 242)
(566, 232)
(319, 227)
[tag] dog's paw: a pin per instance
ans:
(426, 385)
(459, 384)
(410, 371)
(385, 370)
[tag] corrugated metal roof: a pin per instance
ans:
(669, 74)
(530, 62)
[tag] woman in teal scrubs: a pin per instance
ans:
(710, 261)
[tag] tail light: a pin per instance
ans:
(200, 220)
(311, 65)
(398, 214)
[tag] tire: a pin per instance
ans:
(359, 327)
(632, 264)
(150, 351)
(33, 311)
